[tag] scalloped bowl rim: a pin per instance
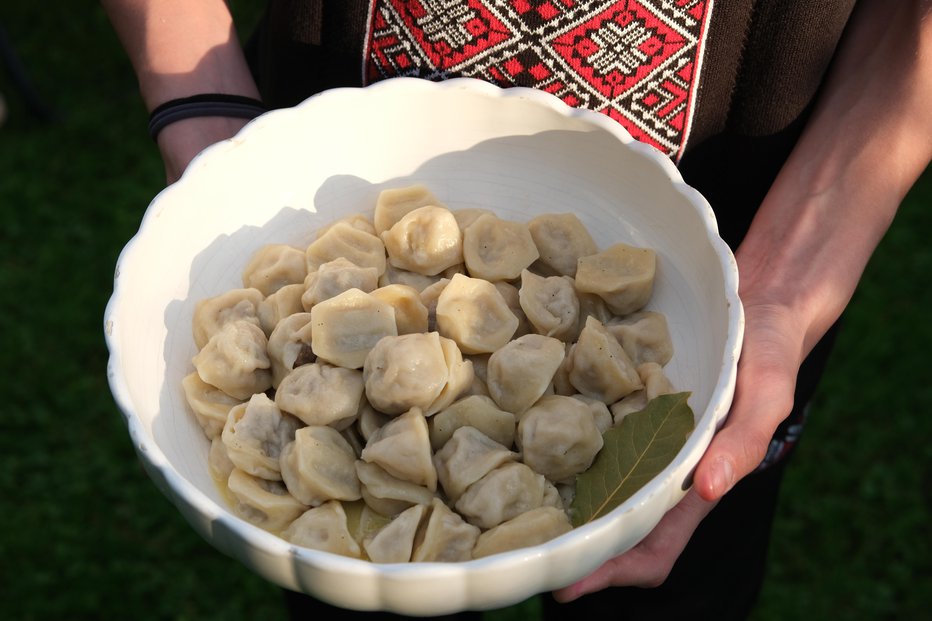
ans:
(180, 490)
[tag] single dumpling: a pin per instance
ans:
(502, 494)
(323, 528)
(279, 305)
(333, 278)
(319, 466)
(600, 367)
(267, 504)
(467, 457)
(622, 275)
(496, 249)
(236, 360)
(395, 542)
(558, 437)
(426, 240)
(561, 239)
(393, 204)
(396, 276)
(644, 335)
(528, 529)
(346, 241)
(521, 371)
(478, 411)
(473, 313)
(290, 342)
(447, 537)
(402, 448)
(460, 377)
(209, 404)
(346, 327)
(274, 266)
(321, 394)
(410, 312)
(388, 494)
(255, 435)
(407, 371)
(212, 314)
(550, 305)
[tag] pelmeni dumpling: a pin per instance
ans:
(558, 437)
(622, 275)
(656, 383)
(395, 542)
(289, 341)
(410, 312)
(496, 249)
(460, 377)
(346, 327)
(212, 314)
(343, 240)
(369, 420)
(644, 336)
(502, 494)
(430, 295)
(319, 466)
(402, 448)
(357, 221)
(235, 360)
(561, 239)
(279, 305)
(255, 434)
(426, 240)
(447, 537)
(527, 529)
(265, 503)
(321, 394)
(600, 412)
(634, 402)
(209, 404)
(477, 411)
(333, 278)
(468, 215)
(520, 372)
(406, 371)
(323, 528)
(396, 276)
(512, 297)
(550, 304)
(274, 266)
(467, 457)
(218, 461)
(388, 494)
(600, 367)
(473, 313)
(393, 204)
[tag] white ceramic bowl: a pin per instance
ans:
(519, 152)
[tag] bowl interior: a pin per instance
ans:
(292, 171)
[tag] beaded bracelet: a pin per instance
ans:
(208, 104)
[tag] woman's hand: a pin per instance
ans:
(763, 398)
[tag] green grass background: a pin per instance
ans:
(83, 532)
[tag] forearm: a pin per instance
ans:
(180, 48)
(868, 140)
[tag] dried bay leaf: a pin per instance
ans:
(634, 452)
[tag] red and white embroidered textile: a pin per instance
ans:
(638, 61)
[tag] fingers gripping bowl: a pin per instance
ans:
(289, 173)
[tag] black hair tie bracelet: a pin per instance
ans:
(212, 104)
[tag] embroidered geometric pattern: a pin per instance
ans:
(637, 61)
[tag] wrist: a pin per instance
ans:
(181, 141)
